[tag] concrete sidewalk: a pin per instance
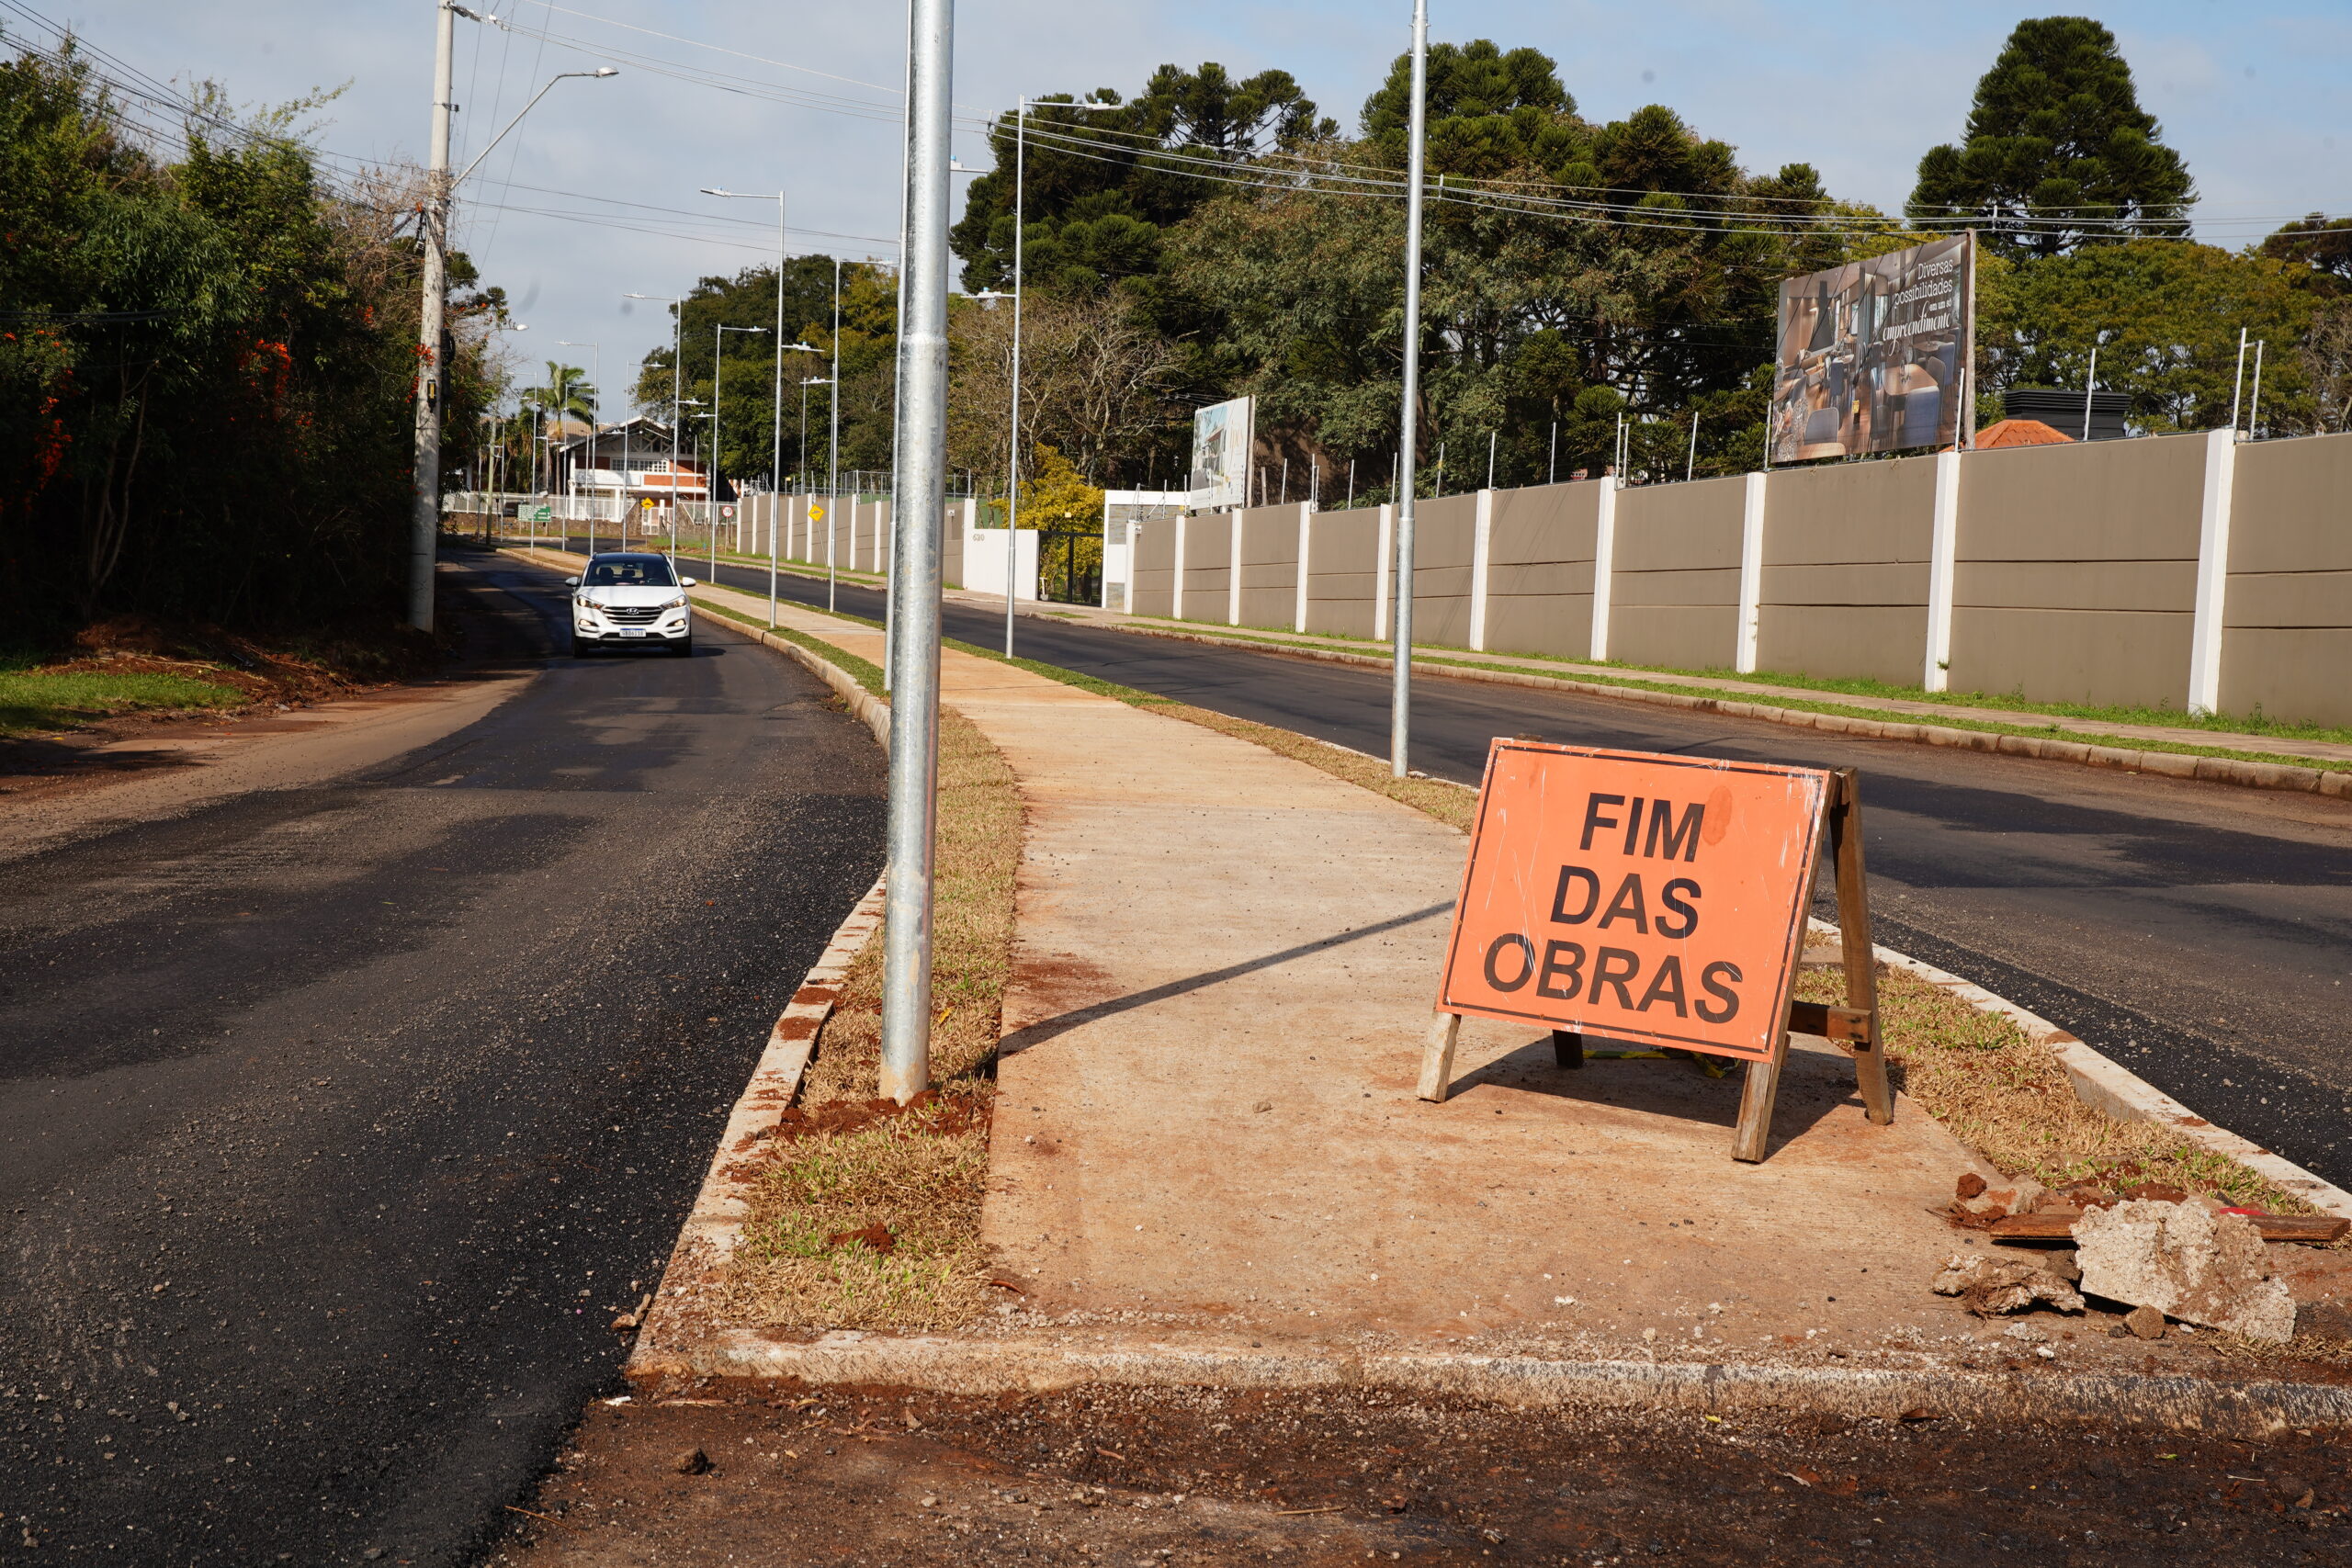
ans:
(1206, 1122)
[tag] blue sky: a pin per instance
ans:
(2255, 93)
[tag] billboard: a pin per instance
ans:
(1872, 356)
(1222, 434)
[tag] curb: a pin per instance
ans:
(2122, 1094)
(2332, 784)
(721, 1203)
(2249, 1409)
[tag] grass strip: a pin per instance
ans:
(855, 1162)
(1886, 716)
(866, 673)
(32, 700)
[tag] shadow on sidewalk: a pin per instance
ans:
(1037, 1034)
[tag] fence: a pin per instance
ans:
(2196, 573)
(577, 509)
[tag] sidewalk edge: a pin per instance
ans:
(2251, 1408)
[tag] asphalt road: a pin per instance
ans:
(2199, 934)
(336, 1123)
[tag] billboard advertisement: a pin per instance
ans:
(1222, 434)
(1872, 356)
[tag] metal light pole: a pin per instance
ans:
(919, 496)
(718, 342)
(425, 518)
(1400, 711)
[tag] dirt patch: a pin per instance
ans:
(1108, 1475)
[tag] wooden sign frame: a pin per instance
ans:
(1854, 1026)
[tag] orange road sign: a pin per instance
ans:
(1659, 900)
(1645, 898)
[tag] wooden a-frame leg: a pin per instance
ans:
(1854, 938)
(1756, 1096)
(1437, 1056)
(1568, 1048)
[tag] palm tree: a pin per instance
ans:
(566, 395)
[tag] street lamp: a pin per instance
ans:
(1013, 474)
(677, 364)
(717, 344)
(434, 232)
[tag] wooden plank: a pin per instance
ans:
(2058, 1224)
(1757, 1093)
(1851, 1024)
(1437, 1056)
(1854, 936)
(1568, 1048)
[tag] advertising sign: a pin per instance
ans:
(1872, 356)
(1222, 434)
(1649, 898)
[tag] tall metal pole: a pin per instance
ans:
(425, 518)
(1013, 482)
(677, 409)
(919, 500)
(710, 491)
(2090, 379)
(1400, 709)
(775, 442)
(833, 438)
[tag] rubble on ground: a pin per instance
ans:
(2186, 1261)
(1991, 1286)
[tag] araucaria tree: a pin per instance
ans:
(2059, 154)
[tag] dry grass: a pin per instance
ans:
(2008, 1099)
(919, 1174)
(920, 1177)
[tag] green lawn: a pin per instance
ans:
(33, 700)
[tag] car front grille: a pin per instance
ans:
(631, 614)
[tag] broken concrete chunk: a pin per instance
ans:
(1993, 1200)
(2144, 1323)
(1990, 1287)
(2187, 1262)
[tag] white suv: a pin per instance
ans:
(630, 600)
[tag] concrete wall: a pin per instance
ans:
(2077, 570)
(951, 546)
(1539, 572)
(1342, 562)
(1208, 567)
(1676, 597)
(1270, 567)
(1444, 536)
(1845, 569)
(1154, 564)
(2287, 648)
(868, 538)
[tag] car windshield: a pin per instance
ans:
(629, 571)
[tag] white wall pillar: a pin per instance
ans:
(1943, 555)
(2213, 572)
(1306, 537)
(1604, 564)
(1482, 538)
(1233, 571)
(1176, 577)
(1751, 573)
(1380, 594)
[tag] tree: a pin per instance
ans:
(2320, 242)
(2058, 152)
(1058, 496)
(1490, 113)
(1091, 384)
(566, 394)
(2165, 315)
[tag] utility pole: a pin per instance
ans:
(919, 497)
(424, 519)
(1400, 709)
(833, 438)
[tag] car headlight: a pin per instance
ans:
(677, 604)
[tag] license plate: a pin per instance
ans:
(632, 631)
